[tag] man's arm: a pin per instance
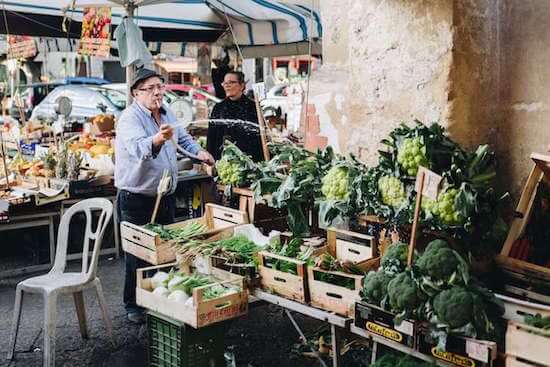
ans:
(133, 137)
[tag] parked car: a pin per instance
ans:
(276, 98)
(87, 101)
(32, 94)
(202, 101)
(169, 97)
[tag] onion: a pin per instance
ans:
(158, 279)
(161, 291)
(178, 296)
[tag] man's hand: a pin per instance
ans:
(165, 133)
(206, 157)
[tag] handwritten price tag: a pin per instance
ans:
(432, 182)
(259, 90)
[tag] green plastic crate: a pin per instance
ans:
(174, 344)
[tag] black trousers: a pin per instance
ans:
(137, 209)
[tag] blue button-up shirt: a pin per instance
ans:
(138, 169)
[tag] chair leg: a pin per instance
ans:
(104, 311)
(81, 313)
(50, 323)
(15, 323)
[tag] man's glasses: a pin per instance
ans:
(152, 88)
(230, 82)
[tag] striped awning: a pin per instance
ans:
(252, 22)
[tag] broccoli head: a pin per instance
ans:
(435, 245)
(394, 259)
(404, 294)
(455, 307)
(441, 266)
(375, 286)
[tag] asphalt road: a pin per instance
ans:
(264, 337)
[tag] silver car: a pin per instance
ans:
(87, 101)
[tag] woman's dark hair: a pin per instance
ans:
(238, 74)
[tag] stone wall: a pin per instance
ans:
(479, 67)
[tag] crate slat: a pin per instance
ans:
(528, 343)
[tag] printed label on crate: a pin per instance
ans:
(453, 358)
(221, 314)
(384, 331)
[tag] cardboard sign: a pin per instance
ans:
(432, 182)
(21, 47)
(95, 39)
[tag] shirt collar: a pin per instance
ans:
(148, 111)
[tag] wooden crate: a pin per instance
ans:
(147, 245)
(339, 299)
(258, 213)
(518, 362)
(344, 245)
(516, 310)
(528, 343)
(291, 286)
(202, 312)
(351, 246)
(514, 267)
(459, 351)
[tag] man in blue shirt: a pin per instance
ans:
(144, 148)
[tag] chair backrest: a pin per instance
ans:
(88, 206)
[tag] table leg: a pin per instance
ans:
(336, 345)
(116, 230)
(303, 338)
(52, 239)
(374, 352)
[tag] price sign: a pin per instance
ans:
(95, 39)
(432, 182)
(259, 90)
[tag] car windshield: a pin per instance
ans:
(114, 96)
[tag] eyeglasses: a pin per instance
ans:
(151, 89)
(230, 82)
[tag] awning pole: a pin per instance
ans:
(130, 7)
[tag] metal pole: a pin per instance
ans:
(130, 7)
(4, 160)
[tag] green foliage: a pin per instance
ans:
(236, 168)
(394, 259)
(538, 321)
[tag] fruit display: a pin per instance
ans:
(93, 146)
(96, 22)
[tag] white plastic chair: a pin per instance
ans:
(58, 282)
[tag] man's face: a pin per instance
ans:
(233, 88)
(150, 92)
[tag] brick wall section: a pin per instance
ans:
(313, 139)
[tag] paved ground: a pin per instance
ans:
(263, 338)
